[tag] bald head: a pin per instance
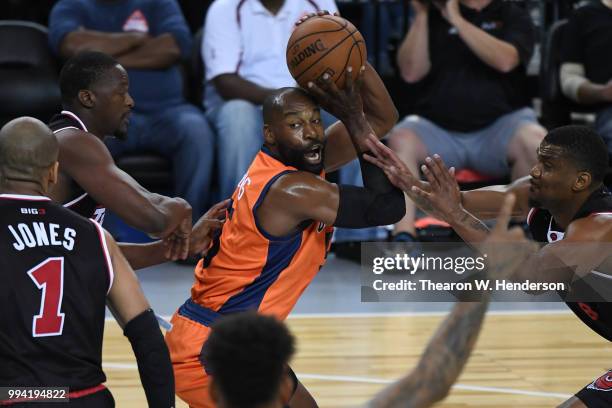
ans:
(28, 149)
(274, 104)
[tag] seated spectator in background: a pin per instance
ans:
(471, 58)
(243, 48)
(148, 38)
(586, 71)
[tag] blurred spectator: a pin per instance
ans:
(148, 38)
(586, 71)
(470, 57)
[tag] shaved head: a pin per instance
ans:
(273, 105)
(28, 148)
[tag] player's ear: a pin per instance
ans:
(268, 135)
(53, 171)
(87, 98)
(583, 181)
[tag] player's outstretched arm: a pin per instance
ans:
(441, 362)
(87, 161)
(134, 315)
(483, 203)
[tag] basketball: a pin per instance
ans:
(325, 44)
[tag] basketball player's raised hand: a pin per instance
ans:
(345, 104)
(207, 225)
(398, 173)
(443, 195)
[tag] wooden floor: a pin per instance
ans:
(520, 360)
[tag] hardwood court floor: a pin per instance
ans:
(532, 360)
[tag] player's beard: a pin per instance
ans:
(295, 158)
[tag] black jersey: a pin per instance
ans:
(56, 272)
(82, 203)
(596, 315)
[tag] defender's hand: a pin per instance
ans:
(444, 195)
(207, 225)
(177, 243)
(399, 174)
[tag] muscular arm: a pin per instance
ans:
(300, 196)
(380, 114)
(484, 203)
(155, 53)
(233, 86)
(113, 44)
(134, 315)
(441, 362)
(125, 297)
(142, 256)
(85, 159)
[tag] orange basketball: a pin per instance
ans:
(325, 44)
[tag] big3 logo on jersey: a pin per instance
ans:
(603, 383)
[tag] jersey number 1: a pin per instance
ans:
(49, 276)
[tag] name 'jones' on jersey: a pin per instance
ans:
(41, 234)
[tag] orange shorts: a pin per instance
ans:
(185, 342)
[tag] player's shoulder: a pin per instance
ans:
(80, 143)
(298, 179)
(296, 186)
(595, 227)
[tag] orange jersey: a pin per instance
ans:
(247, 268)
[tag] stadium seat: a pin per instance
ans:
(28, 72)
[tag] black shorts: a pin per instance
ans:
(100, 399)
(598, 394)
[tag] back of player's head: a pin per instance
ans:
(247, 355)
(82, 71)
(275, 102)
(583, 146)
(27, 149)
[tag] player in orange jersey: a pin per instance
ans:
(276, 234)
